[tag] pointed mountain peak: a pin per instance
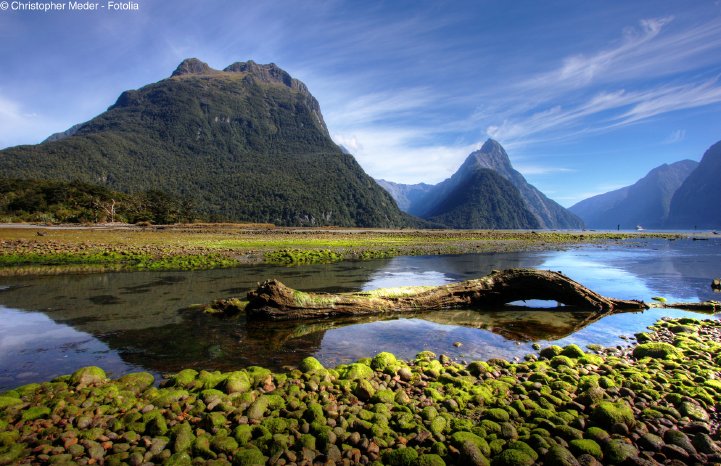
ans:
(192, 66)
(491, 145)
(492, 156)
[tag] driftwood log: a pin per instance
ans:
(272, 300)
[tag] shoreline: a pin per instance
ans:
(654, 402)
(26, 250)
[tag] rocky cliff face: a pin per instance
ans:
(247, 143)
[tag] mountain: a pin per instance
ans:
(481, 198)
(490, 164)
(405, 195)
(695, 204)
(645, 203)
(247, 143)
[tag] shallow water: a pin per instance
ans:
(126, 322)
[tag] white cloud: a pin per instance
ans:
(675, 136)
(393, 154)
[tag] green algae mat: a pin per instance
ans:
(652, 403)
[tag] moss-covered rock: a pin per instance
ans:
(86, 376)
(617, 451)
(573, 351)
(356, 371)
(430, 459)
(249, 457)
(656, 350)
(401, 457)
(586, 447)
(237, 382)
(513, 457)
(136, 382)
(606, 414)
(560, 456)
(384, 361)
(35, 412)
(550, 351)
(310, 364)
(183, 437)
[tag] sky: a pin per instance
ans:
(586, 96)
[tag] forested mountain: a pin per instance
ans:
(697, 202)
(508, 200)
(247, 143)
(481, 198)
(646, 202)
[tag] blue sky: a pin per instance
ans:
(586, 96)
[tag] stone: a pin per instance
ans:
(86, 376)
(606, 414)
(656, 350)
(617, 451)
(513, 457)
(586, 447)
(560, 456)
(310, 364)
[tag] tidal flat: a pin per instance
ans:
(31, 249)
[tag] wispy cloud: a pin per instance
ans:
(676, 136)
(581, 95)
(381, 106)
(580, 70)
(609, 110)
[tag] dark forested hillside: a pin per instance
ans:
(245, 144)
(77, 202)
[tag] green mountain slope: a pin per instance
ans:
(482, 198)
(246, 144)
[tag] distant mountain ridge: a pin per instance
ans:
(697, 202)
(508, 200)
(247, 143)
(405, 195)
(647, 202)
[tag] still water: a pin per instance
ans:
(123, 322)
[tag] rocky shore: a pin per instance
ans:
(656, 402)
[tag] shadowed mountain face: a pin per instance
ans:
(405, 195)
(646, 202)
(247, 144)
(506, 200)
(696, 202)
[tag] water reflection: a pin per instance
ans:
(125, 321)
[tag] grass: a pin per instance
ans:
(185, 247)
